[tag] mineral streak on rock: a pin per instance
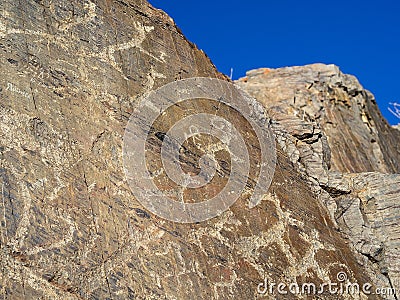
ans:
(71, 74)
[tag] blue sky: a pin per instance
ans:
(361, 37)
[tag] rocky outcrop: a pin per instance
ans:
(322, 97)
(330, 127)
(71, 75)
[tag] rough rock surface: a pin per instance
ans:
(321, 97)
(330, 127)
(370, 215)
(71, 74)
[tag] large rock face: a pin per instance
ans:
(330, 127)
(71, 75)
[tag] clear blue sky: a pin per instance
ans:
(361, 37)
